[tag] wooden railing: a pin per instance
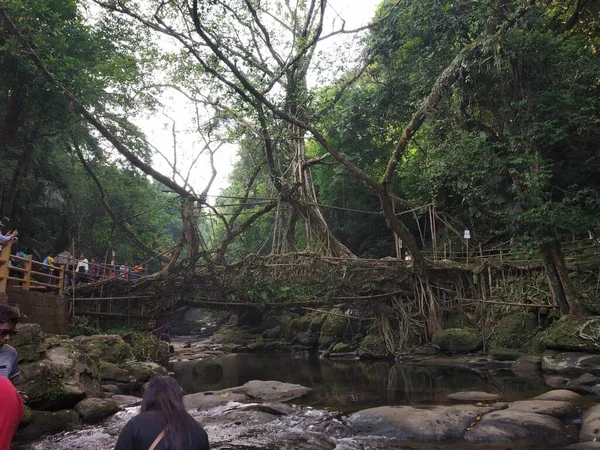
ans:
(27, 273)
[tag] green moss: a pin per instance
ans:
(536, 346)
(373, 347)
(564, 335)
(27, 416)
(515, 331)
(458, 340)
(147, 347)
(340, 347)
(333, 329)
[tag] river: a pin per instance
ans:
(317, 420)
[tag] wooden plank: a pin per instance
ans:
(80, 299)
(112, 314)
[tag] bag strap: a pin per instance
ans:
(158, 439)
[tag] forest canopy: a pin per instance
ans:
(438, 117)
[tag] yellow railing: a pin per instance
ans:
(27, 273)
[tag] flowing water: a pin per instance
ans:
(339, 388)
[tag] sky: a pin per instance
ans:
(158, 127)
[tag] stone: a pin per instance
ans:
(271, 391)
(587, 379)
(112, 372)
(571, 363)
(590, 425)
(44, 422)
(585, 446)
(105, 347)
(147, 347)
(426, 424)
(554, 408)
(527, 366)
(505, 354)
(93, 410)
(207, 400)
(333, 328)
(514, 331)
(142, 372)
(509, 425)
(341, 347)
(373, 347)
(458, 340)
(29, 342)
(563, 395)
(473, 396)
(111, 389)
(564, 335)
(58, 381)
(126, 401)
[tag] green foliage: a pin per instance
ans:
(80, 326)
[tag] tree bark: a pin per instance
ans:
(562, 288)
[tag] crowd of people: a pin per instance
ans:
(162, 424)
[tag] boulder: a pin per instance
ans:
(571, 363)
(564, 335)
(505, 354)
(527, 366)
(554, 408)
(373, 347)
(515, 330)
(60, 380)
(590, 425)
(125, 401)
(341, 347)
(144, 371)
(473, 396)
(93, 410)
(271, 391)
(425, 424)
(207, 400)
(458, 340)
(111, 389)
(40, 423)
(333, 328)
(29, 342)
(562, 395)
(509, 425)
(111, 372)
(106, 347)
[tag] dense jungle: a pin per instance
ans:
(387, 211)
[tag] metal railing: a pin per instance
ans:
(27, 273)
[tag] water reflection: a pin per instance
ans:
(353, 385)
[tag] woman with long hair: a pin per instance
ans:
(163, 422)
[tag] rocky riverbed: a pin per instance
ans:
(263, 415)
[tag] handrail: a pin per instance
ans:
(52, 280)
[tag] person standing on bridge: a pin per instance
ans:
(82, 268)
(163, 422)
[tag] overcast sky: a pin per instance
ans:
(356, 13)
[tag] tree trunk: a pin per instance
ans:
(21, 171)
(562, 288)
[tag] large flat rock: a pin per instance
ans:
(563, 395)
(508, 425)
(473, 396)
(208, 400)
(554, 408)
(405, 422)
(590, 424)
(271, 391)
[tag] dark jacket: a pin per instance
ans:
(140, 432)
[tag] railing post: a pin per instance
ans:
(4, 263)
(61, 280)
(27, 277)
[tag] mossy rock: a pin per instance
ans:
(277, 347)
(108, 347)
(40, 423)
(273, 333)
(111, 372)
(142, 371)
(93, 410)
(564, 335)
(29, 342)
(505, 354)
(536, 347)
(333, 328)
(307, 339)
(515, 330)
(373, 347)
(458, 340)
(341, 347)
